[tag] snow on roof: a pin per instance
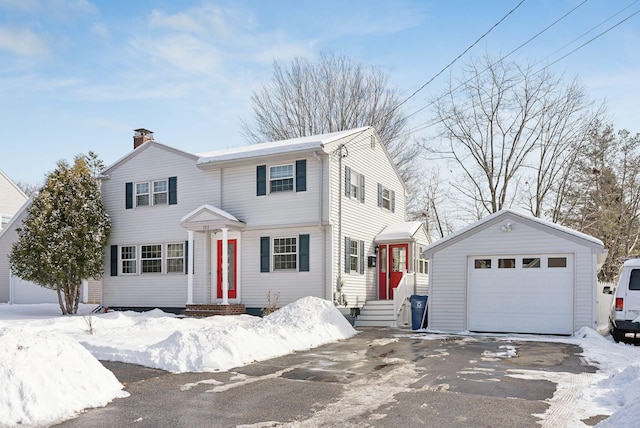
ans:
(398, 231)
(478, 225)
(276, 147)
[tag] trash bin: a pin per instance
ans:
(418, 311)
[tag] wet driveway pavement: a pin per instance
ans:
(378, 378)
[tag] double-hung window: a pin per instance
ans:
(160, 192)
(285, 252)
(128, 257)
(354, 255)
(386, 198)
(175, 258)
(151, 258)
(142, 194)
(281, 178)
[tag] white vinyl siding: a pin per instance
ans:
(274, 209)
(290, 284)
(362, 221)
(159, 225)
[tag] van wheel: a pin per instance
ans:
(617, 334)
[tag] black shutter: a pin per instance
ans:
(361, 257)
(379, 194)
(173, 190)
(347, 254)
(393, 201)
(265, 243)
(114, 260)
(304, 253)
(186, 257)
(347, 181)
(128, 194)
(301, 175)
(261, 172)
(362, 189)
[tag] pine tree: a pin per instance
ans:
(62, 239)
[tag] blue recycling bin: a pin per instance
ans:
(418, 311)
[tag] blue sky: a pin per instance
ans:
(77, 75)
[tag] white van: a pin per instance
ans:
(624, 320)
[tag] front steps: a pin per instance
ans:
(377, 313)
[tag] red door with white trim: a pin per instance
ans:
(392, 264)
(383, 264)
(232, 263)
(397, 265)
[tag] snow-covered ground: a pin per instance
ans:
(49, 368)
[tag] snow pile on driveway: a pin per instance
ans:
(49, 368)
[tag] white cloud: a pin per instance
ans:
(100, 29)
(179, 52)
(23, 42)
(206, 19)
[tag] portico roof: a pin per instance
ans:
(208, 217)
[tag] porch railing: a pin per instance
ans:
(401, 296)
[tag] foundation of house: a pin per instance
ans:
(201, 311)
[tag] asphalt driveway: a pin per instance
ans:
(379, 378)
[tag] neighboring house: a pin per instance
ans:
(510, 272)
(18, 291)
(293, 218)
(11, 199)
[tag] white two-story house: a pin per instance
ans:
(314, 216)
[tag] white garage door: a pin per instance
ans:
(521, 294)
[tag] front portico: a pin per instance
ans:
(220, 262)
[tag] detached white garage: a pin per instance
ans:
(514, 273)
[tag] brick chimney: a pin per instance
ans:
(141, 136)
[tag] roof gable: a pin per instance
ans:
(504, 216)
(141, 149)
(12, 185)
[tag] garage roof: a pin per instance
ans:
(504, 215)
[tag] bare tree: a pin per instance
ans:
(500, 119)
(334, 94)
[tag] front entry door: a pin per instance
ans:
(232, 262)
(397, 265)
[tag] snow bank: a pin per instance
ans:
(46, 377)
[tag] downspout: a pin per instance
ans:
(321, 228)
(340, 256)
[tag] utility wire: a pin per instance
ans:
(459, 56)
(436, 121)
(448, 65)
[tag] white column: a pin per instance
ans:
(225, 266)
(189, 267)
(85, 291)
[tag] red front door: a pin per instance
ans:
(383, 264)
(392, 264)
(231, 264)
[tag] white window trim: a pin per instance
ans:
(167, 257)
(121, 260)
(270, 180)
(151, 194)
(273, 254)
(387, 199)
(356, 255)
